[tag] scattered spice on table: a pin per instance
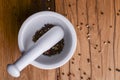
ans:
(69, 74)
(118, 70)
(81, 77)
(109, 69)
(79, 69)
(88, 60)
(102, 13)
(89, 78)
(84, 73)
(63, 73)
(98, 67)
(56, 49)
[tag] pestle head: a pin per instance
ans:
(13, 71)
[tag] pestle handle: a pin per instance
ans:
(48, 40)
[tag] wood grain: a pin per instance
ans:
(117, 37)
(97, 24)
(12, 15)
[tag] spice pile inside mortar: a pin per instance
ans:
(56, 49)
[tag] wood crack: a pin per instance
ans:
(99, 34)
(114, 37)
(89, 40)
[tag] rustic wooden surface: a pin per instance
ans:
(97, 23)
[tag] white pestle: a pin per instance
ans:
(48, 40)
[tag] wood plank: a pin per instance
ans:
(12, 15)
(83, 38)
(75, 11)
(106, 20)
(117, 39)
(94, 33)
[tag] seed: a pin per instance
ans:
(79, 54)
(63, 73)
(101, 13)
(78, 26)
(89, 78)
(69, 74)
(81, 23)
(88, 37)
(88, 60)
(99, 51)
(96, 45)
(98, 66)
(88, 34)
(118, 14)
(110, 26)
(105, 42)
(117, 69)
(69, 5)
(58, 76)
(73, 59)
(87, 26)
(109, 42)
(56, 48)
(109, 69)
(95, 48)
(81, 77)
(84, 73)
(72, 62)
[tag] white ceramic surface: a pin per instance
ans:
(34, 23)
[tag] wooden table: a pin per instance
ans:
(97, 23)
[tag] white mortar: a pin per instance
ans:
(36, 22)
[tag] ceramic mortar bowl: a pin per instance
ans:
(36, 22)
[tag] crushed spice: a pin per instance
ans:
(56, 49)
